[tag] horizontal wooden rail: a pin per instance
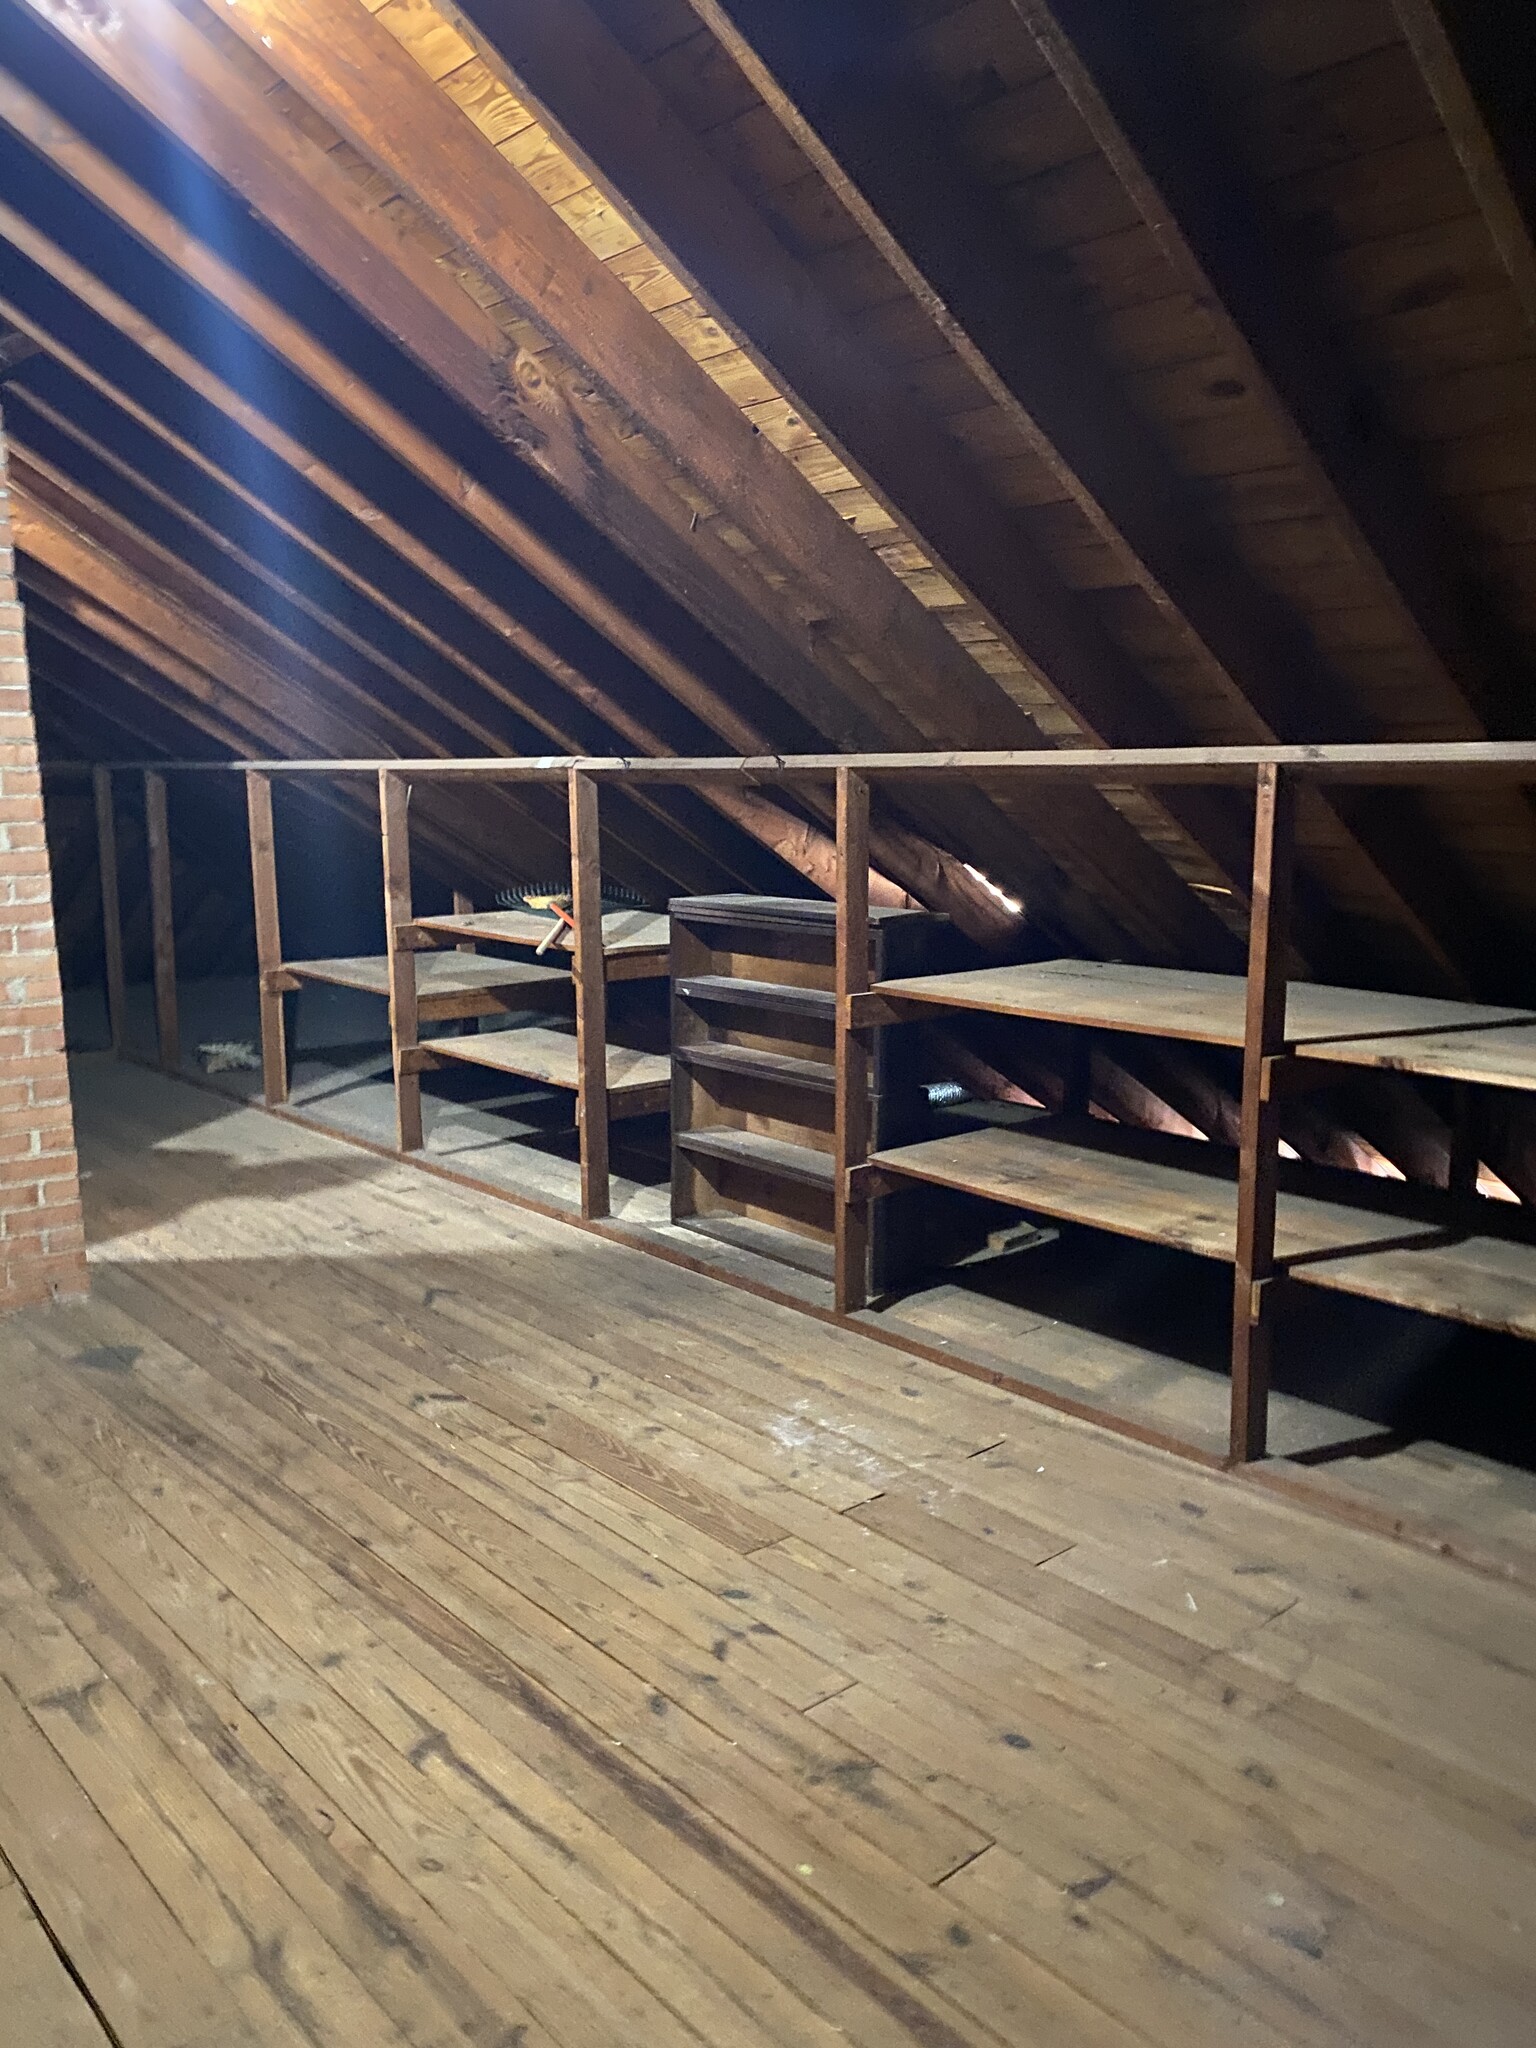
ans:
(1408, 763)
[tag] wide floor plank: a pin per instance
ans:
(39, 1998)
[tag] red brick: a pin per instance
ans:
(42, 1243)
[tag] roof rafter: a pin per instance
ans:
(1231, 249)
(1454, 45)
(781, 832)
(82, 577)
(351, 69)
(560, 55)
(171, 713)
(171, 73)
(238, 647)
(677, 855)
(548, 714)
(1003, 314)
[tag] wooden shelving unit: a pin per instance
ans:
(754, 1070)
(433, 974)
(748, 1021)
(1383, 1240)
(1452, 1254)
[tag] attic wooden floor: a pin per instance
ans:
(421, 1622)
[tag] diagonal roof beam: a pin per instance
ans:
(236, 646)
(93, 587)
(675, 853)
(172, 74)
(880, 144)
(803, 847)
(1477, 60)
(561, 57)
(1231, 249)
(909, 669)
(15, 347)
(158, 711)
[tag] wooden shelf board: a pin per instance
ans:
(1182, 1193)
(758, 995)
(1416, 1034)
(535, 1053)
(625, 932)
(766, 1155)
(774, 912)
(437, 974)
(760, 1239)
(1496, 1055)
(766, 1066)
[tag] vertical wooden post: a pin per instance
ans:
(163, 921)
(589, 972)
(404, 1022)
(850, 1218)
(1269, 923)
(463, 905)
(111, 908)
(269, 940)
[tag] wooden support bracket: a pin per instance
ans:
(865, 1182)
(867, 1010)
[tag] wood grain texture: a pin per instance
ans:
(627, 934)
(483, 1633)
(1181, 1192)
(636, 1081)
(162, 916)
(404, 1012)
(37, 1995)
(1366, 1027)
(269, 936)
(591, 994)
(1258, 1142)
(437, 974)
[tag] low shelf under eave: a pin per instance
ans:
(1349, 1027)
(447, 984)
(636, 943)
(767, 1155)
(718, 1057)
(639, 1083)
(785, 998)
(1182, 1193)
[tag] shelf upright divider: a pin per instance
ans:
(162, 921)
(1269, 926)
(404, 1013)
(588, 969)
(269, 941)
(850, 1214)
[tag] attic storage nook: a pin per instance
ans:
(756, 1100)
(815, 1140)
(767, 1023)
